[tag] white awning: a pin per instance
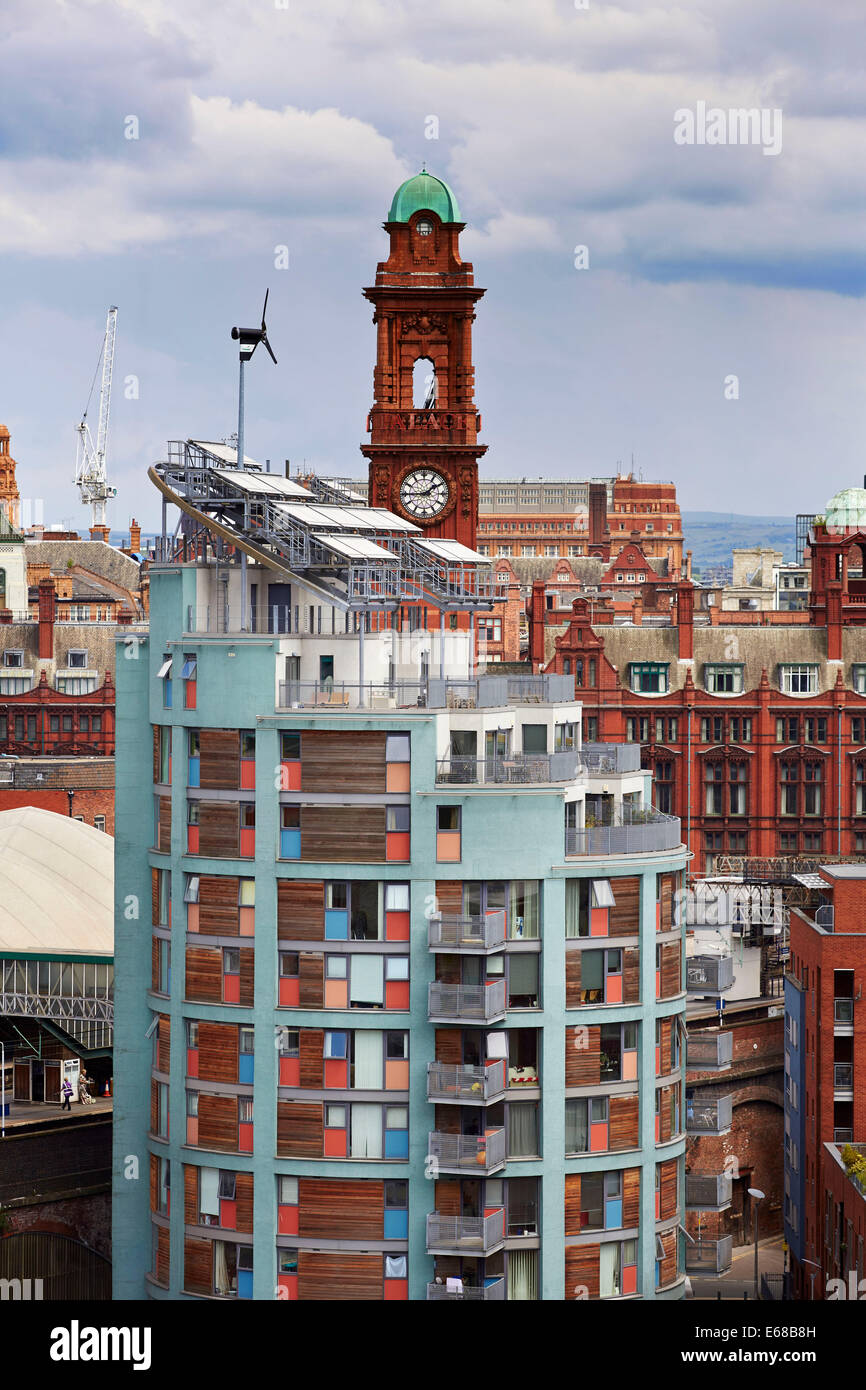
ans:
(358, 547)
(262, 484)
(164, 669)
(455, 552)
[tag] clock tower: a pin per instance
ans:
(423, 428)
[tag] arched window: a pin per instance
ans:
(425, 388)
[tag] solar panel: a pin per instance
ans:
(357, 547)
(455, 552)
(268, 484)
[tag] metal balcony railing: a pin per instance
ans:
(843, 1076)
(456, 932)
(843, 1010)
(487, 692)
(824, 916)
(639, 832)
(708, 1191)
(351, 695)
(458, 1085)
(486, 1293)
(708, 1115)
(468, 1153)
(600, 758)
(518, 769)
(710, 1051)
(843, 1136)
(465, 1235)
(709, 974)
(466, 1003)
(709, 1256)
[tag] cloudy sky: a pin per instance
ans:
(264, 123)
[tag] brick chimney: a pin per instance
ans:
(685, 620)
(597, 514)
(47, 610)
(134, 535)
(100, 533)
(834, 620)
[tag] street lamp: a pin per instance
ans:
(757, 1196)
(812, 1277)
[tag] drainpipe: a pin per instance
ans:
(839, 779)
(689, 777)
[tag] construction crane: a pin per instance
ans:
(91, 477)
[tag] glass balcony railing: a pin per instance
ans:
(467, 1153)
(708, 1114)
(466, 1003)
(517, 769)
(600, 758)
(634, 832)
(491, 1292)
(458, 1085)
(470, 1236)
(710, 1051)
(456, 932)
(708, 1191)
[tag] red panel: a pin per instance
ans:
(192, 839)
(658, 916)
(231, 989)
(658, 984)
(189, 695)
(397, 845)
(335, 1143)
(397, 926)
(290, 991)
(290, 1071)
(629, 1279)
(192, 1129)
(287, 1221)
(228, 1214)
(336, 1073)
(191, 917)
(598, 921)
(598, 1138)
(248, 842)
(396, 994)
(657, 1128)
(192, 1061)
(658, 1206)
(245, 1137)
(396, 1289)
(613, 992)
(658, 1061)
(288, 1283)
(248, 774)
(290, 777)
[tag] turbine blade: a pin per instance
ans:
(270, 350)
(265, 306)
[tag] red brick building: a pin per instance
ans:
(80, 787)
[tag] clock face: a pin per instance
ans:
(424, 493)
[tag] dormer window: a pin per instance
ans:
(424, 228)
(76, 660)
(12, 658)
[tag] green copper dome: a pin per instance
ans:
(847, 510)
(424, 191)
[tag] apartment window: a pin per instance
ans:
(813, 774)
(813, 842)
(664, 786)
(857, 730)
(76, 685)
(189, 676)
(858, 678)
(737, 789)
(789, 788)
(76, 660)
(637, 729)
(580, 1117)
(564, 738)
(860, 789)
(816, 730)
(787, 730)
(713, 789)
(798, 680)
(448, 833)
(726, 679)
(712, 729)
(99, 822)
(737, 841)
(649, 677)
(590, 728)
(788, 842)
(15, 685)
(13, 658)
(164, 674)
(740, 729)
(712, 846)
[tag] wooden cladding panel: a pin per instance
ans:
(449, 896)
(447, 1196)
(668, 1189)
(572, 979)
(666, 898)
(154, 898)
(311, 984)
(341, 1209)
(218, 913)
(337, 1275)
(162, 1255)
(164, 836)
(337, 834)
(218, 1051)
(218, 1122)
(219, 759)
(204, 974)
(163, 1045)
(190, 1194)
(154, 1182)
(631, 1197)
(154, 1106)
(448, 969)
(247, 987)
(156, 766)
(337, 761)
(581, 1271)
(583, 1055)
(312, 1045)
(219, 829)
(623, 1131)
(631, 975)
(572, 1204)
(665, 1130)
(665, 1026)
(671, 973)
(625, 915)
(154, 963)
(668, 1270)
(244, 1196)
(300, 909)
(300, 1129)
(449, 1046)
(197, 1265)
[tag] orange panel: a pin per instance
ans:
(192, 1061)
(598, 921)
(397, 926)
(287, 1221)
(396, 1076)
(248, 774)
(598, 1138)
(336, 994)
(245, 1138)
(228, 1214)
(658, 984)
(192, 839)
(629, 1066)
(248, 842)
(613, 992)
(290, 777)
(396, 994)
(192, 916)
(288, 1283)
(231, 989)
(397, 845)
(448, 846)
(290, 991)
(629, 1279)
(658, 1061)
(658, 916)
(192, 1129)
(247, 921)
(396, 1289)
(397, 777)
(336, 1073)
(290, 1071)
(335, 1143)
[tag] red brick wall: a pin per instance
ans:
(88, 802)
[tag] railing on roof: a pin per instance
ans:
(611, 757)
(351, 695)
(491, 691)
(640, 832)
(518, 768)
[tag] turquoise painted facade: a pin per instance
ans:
(507, 833)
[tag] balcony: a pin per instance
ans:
(709, 974)
(456, 1085)
(709, 1051)
(708, 1114)
(843, 1136)
(843, 1076)
(349, 695)
(478, 1154)
(521, 769)
(709, 1256)
(633, 832)
(475, 935)
(465, 1235)
(496, 691)
(466, 1003)
(843, 1013)
(600, 758)
(708, 1191)
(494, 1292)
(824, 916)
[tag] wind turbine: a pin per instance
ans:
(248, 340)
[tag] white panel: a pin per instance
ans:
(209, 1181)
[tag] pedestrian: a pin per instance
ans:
(66, 1092)
(84, 1095)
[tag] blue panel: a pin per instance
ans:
(336, 925)
(290, 844)
(613, 1213)
(396, 1143)
(245, 1283)
(396, 1222)
(245, 1068)
(193, 774)
(166, 694)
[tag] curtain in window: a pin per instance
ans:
(576, 1127)
(395, 1266)
(220, 1268)
(368, 986)
(572, 907)
(522, 1130)
(523, 910)
(608, 1270)
(523, 975)
(366, 1131)
(523, 1274)
(209, 1202)
(368, 1059)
